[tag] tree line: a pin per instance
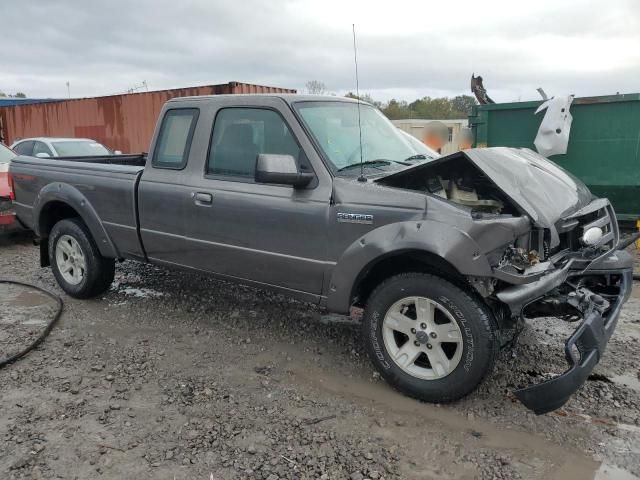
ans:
(442, 108)
(15, 95)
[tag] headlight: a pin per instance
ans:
(592, 236)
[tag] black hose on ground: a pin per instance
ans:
(45, 332)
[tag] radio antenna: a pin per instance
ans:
(361, 178)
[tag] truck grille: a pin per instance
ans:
(598, 213)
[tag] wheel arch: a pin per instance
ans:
(422, 246)
(402, 261)
(60, 201)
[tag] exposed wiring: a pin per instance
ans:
(45, 332)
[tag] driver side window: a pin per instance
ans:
(241, 134)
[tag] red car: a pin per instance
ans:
(7, 217)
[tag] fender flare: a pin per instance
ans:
(71, 196)
(451, 244)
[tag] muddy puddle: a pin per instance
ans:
(28, 298)
(23, 314)
(628, 380)
(610, 472)
(529, 450)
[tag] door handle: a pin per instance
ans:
(203, 198)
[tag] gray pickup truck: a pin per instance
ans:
(325, 200)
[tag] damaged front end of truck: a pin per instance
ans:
(552, 249)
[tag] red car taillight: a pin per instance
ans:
(12, 192)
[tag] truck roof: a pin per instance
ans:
(287, 97)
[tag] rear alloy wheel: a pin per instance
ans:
(79, 268)
(70, 260)
(429, 338)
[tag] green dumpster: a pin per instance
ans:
(604, 142)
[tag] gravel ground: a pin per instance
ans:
(173, 375)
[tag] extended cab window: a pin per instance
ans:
(174, 140)
(241, 134)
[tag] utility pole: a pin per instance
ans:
(68, 89)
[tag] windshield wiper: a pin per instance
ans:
(419, 156)
(367, 163)
(371, 163)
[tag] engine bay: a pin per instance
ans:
(457, 180)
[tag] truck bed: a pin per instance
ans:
(102, 188)
(134, 160)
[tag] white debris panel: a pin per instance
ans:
(553, 134)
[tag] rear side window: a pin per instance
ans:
(25, 148)
(241, 134)
(174, 140)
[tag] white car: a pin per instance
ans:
(45, 147)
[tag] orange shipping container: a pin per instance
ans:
(121, 122)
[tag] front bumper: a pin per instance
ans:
(586, 345)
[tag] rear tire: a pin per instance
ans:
(428, 338)
(79, 268)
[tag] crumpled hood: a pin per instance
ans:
(542, 189)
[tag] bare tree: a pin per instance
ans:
(316, 87)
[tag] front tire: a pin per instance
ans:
(428, 338)
(79, 268)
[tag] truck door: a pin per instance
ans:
(271, 234)
(162, 195)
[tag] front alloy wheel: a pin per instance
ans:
(422, 338)
(429, 338)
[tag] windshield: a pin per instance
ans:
(5, 154)
(334, 125)
(80, 148)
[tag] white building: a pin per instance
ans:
(419, 128)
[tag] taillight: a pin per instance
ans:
(12, 192)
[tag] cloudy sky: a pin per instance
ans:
(407, 49)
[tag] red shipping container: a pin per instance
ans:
(121, 122)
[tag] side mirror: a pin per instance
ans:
(281, 169)
(43, 155)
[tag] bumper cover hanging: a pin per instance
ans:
(583, 349)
